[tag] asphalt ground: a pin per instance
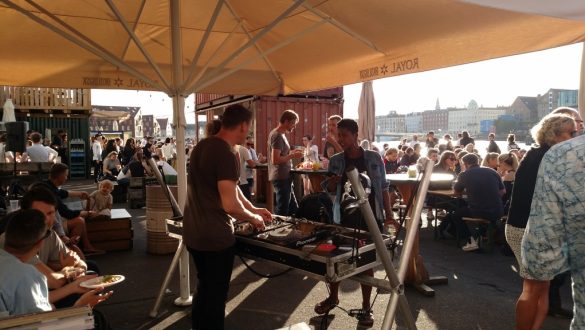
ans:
(481, 293)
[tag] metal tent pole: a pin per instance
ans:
(179, 120)
(397, 293)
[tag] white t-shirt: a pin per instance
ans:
(168, 150)
(96, 148)
(249, 171)
(167, 169)
(311, 153)
(244, 158)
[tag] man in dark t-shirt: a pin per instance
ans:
(213, 202)
(484, 188)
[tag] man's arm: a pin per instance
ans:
(278, 159)
(232, 205)
(54, 279)
(264, 213)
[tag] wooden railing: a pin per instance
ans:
(28, 98)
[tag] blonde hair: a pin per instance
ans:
(509, 159)
(107, 183)
(549, 127)
(488, 157)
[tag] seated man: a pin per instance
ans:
(54, 260)
(365, 161)
(75, 219)
(23, 289)
(484, 189)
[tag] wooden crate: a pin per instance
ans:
(111, 234)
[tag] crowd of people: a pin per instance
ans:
(47, 238)
(117, 161)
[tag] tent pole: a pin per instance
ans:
(581, 100)
(179, 120)
(220, 67)
(203, 42)
(398, 298)
(84, 43)
(215, 76)
(138, 43)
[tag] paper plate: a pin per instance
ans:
(102, 281)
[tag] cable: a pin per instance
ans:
(260, 274)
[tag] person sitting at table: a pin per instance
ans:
(432, 154)
(111, 166)
(536, 296)
(370, 162)
(416, 153)
(75, 222)
(391, 163)
(406, 160)
(484, 189)
(54, 258)
(24, 289)
(446, 164)
(459, 166)
(491, 161)
(37, 152)
(507, 166)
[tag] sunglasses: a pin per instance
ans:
(452, 158)
(47, 234)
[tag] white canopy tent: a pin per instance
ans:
(263, 47)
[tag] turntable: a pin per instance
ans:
(322, 251)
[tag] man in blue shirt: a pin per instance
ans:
(371, 163)
(23, 289)
(484, 189)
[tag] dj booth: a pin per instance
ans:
(325, 252)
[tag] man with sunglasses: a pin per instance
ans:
(23, 289)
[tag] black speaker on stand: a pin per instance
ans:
(16, 136)
(15, 142)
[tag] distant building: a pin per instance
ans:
(524, 110)
(435, 120)
(163, 123)
(460, 119)
(413, 122)
(113, 119)
(554, 98)
(390, 123)
(150, 126)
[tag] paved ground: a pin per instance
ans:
(481, 292)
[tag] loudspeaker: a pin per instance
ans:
(16, 136)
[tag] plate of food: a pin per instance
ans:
(102, 281)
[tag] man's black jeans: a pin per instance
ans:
(214, 271)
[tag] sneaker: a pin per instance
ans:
(367, 320)
(471, 245)
(441, 214)
(430, 215)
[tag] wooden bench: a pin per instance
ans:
(114, 234)
(486, 229)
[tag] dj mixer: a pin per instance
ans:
(323, 251)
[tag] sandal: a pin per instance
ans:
(367, 320)
(325, 306)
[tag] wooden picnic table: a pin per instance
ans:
(416, 274)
